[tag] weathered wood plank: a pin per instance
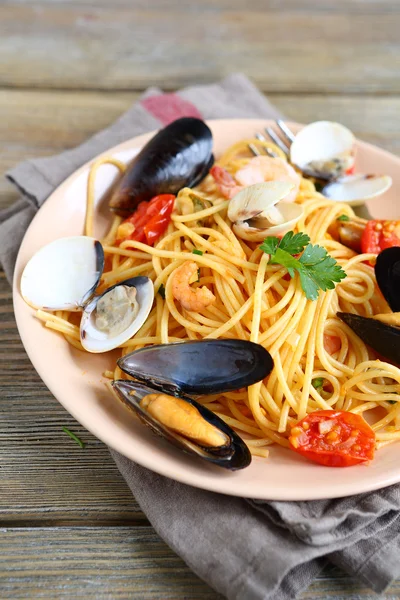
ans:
(97, 47)
(44, 475)
(124, 563)
(39, 123)
(93, 563)
(348, 6)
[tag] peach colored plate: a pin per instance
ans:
(75, 377)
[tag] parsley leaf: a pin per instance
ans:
(317, 270)
(270, 244)
(199, 252)
(294, 243)
(291, 242)
(343, 218)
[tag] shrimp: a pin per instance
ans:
(257, 170)
(265, 168)
(192, 299)
(225, 182)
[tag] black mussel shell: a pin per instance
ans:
(234, 456)
(383, 338)
(179, 155)
(199, 367)
(387, 272)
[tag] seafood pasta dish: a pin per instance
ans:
(250, 304)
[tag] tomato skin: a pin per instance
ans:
(379, 235)
(150, 220)
(160, 214)
(308, 440)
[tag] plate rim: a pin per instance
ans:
(180, 475)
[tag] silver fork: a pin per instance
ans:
(284, 146)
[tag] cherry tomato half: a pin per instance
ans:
(379, 235)
(149, 221)
(333, 438)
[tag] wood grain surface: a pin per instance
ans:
(283, 46)
(69, 526)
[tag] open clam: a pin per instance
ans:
(382, 332)
(178, 156)
(326, 150)
(64, 275)
(165, 376)
(323, 149)
(260, 210)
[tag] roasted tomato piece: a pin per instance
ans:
(379, 235)
(333, 438)
(149, 221)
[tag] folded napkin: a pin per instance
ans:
(245, 549)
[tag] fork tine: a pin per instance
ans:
(254, 149)
(289, 135)
(268, 151)
(277, 140)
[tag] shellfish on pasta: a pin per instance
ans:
(64, 275)
(260, 210)
(326, 150)
(179, 155)
(165, 376)
(382, 331)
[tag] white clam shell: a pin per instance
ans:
(255, 199)
(321, 142)
(63, 274)
(291, 212)
(96, 341)
(355, 189)
(257, 205)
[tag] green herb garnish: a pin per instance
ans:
(198, 203)
(317, 270)
(318, 382)
(74, 437)
(343, 218)
(198, 252)
(161, 291)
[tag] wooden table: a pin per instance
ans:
(70, 527)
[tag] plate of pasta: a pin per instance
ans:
(246, 290)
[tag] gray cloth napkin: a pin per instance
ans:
(245, 549)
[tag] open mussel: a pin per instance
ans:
(178, 156)
(168, 375)
(382, 332)
(65, 274)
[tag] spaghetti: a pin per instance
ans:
(257, 301)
